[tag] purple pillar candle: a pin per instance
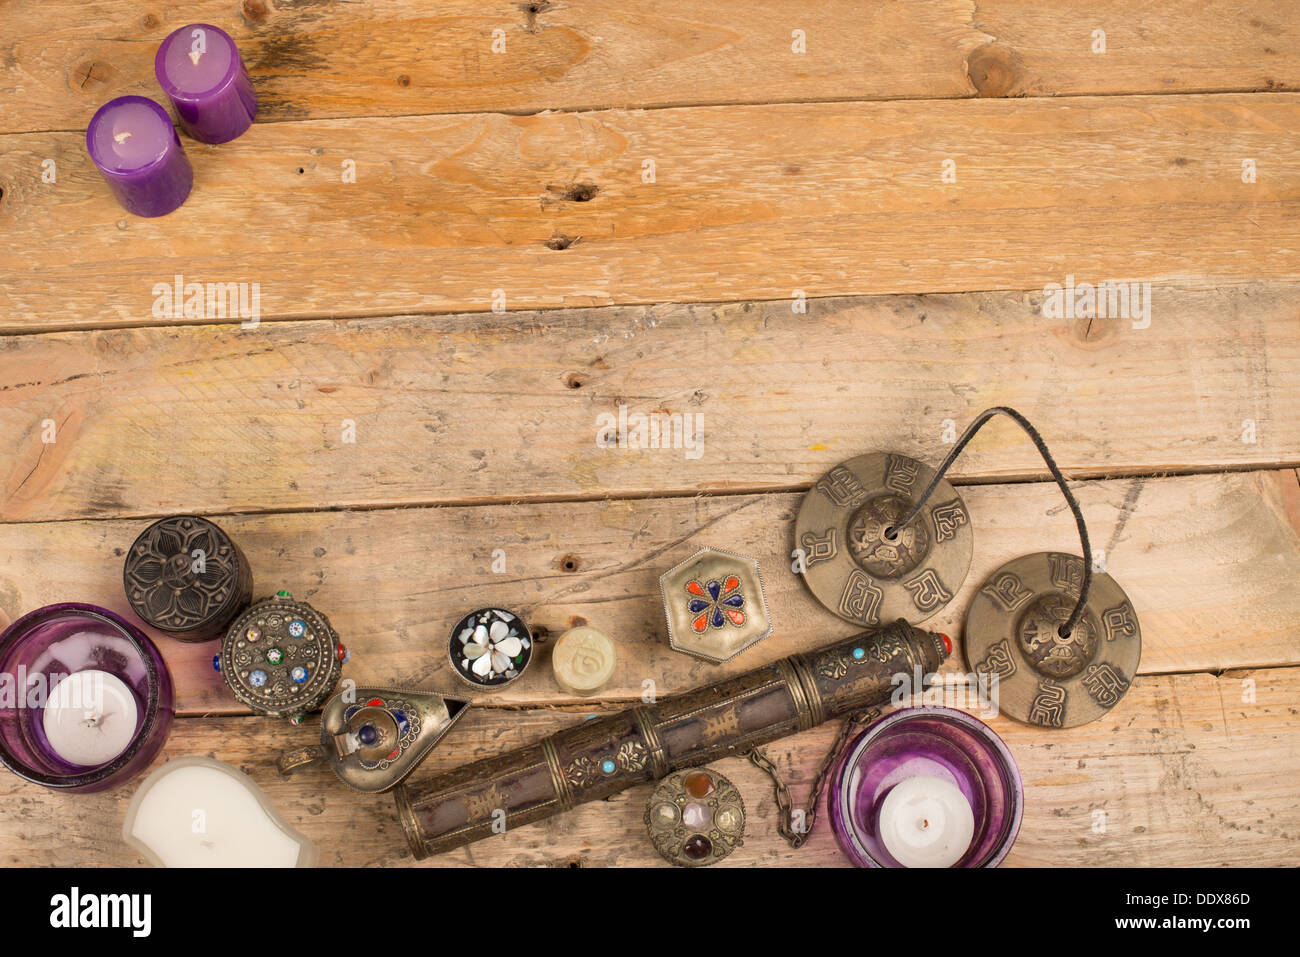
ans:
(916, 780)
(85, 698)
(133, 143)
(201, 71)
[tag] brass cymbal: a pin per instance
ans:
(859, 573)
(1012, 632)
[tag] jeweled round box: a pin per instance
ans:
(281, 657)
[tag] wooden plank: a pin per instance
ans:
(213, 418)
(399, 57)
(1172, 774)
(463, 212)
(1209, 561)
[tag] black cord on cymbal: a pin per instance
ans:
(1086, 585)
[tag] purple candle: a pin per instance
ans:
(133, 143)
(85, 698)
(932, 786)
(201, 71)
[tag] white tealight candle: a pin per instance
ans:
(197, 812)
(90, 717)
(926, 822)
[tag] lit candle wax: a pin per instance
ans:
(197, 812)
(200, 70)
(90, 718)
(926, 822)
(135, 147)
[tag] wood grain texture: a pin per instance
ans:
(215, 418)
(1175, 771)
(1209, 561)
(402, 57)
(750, 202)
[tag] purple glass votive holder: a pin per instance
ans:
(928, 742)
(202, 73)
(135, 147)
(36, 651)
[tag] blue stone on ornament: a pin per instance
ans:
(859, 653)
(257, 678)
(298, 674)
(607, 766)
(297, 628)
(216, 662)
(368, 735)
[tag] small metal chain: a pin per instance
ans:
(785, 823)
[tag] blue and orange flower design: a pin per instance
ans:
(715, 604)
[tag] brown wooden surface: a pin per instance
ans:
(313, 60)
(1182, 755)
(395, 581)
(215, 418)
(831, 199)
(475, 430)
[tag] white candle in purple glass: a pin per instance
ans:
(90, 718)
(135, 147)
(926, 822)
(202, 73)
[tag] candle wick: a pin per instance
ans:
(194, 56)
(122, 137)
(94, 719)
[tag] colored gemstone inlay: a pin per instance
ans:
(257, 678)
(697, 847)
(696, 815)
(698, 784)
(274, 655)
(607, 766)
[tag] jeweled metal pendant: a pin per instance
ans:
(281, 657)
(695, 818)
(1012, 631)
(858, 572)
(185, 576)
(715, 605)
(372, 738)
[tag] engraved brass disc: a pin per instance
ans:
(858, 573)
(1012, 632)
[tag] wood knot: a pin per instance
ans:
(560, 241)
(149, 21)
(575, 380)
(569, 562)
(993, 70)
(254, 11)
(403, 80)
(572, 192)
(91, 76)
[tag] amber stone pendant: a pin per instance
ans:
(1044, 679)
(715, 605)
(865, 575)
(281, 657)
(184, 576)
(695, 818)
(372, 738)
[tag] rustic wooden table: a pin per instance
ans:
(825, 227)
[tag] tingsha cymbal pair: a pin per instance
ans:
(883, 536)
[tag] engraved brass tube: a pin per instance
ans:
(602, 756)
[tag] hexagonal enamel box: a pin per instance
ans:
(715, 605)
